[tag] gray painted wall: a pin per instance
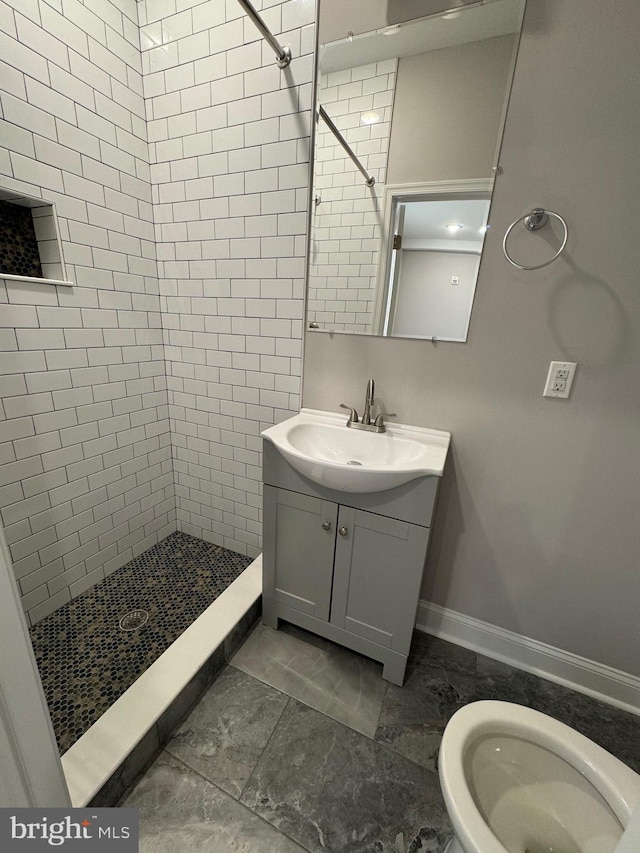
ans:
(427, 303)
(446, 125)
(537, 528)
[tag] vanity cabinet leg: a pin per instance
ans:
(269, 613)
(394, 670)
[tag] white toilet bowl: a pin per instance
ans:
(517, 781)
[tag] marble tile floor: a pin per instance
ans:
(281, 753)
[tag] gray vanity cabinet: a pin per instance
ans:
(345, 566)
(301, 548)
(375, 582)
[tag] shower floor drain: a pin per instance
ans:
(133, 620)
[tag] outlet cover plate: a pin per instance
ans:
(560, 379)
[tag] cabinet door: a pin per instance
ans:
(299, 548)
(378, 570)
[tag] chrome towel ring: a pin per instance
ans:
(533, 221)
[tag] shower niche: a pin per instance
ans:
(30, 244)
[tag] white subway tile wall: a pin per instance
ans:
(229, 150)
(132, 403)
(348, 218)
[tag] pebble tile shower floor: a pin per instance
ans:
(87, 661)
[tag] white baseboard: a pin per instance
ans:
(586, 676)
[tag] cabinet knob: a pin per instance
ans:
(343, 531)
(326, 525)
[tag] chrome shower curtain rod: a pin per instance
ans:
(283, 54)
(323, 115)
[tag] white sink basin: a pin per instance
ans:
(322, 448)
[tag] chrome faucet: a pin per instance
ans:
(378, 423)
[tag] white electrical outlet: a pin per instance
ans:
(560, 379)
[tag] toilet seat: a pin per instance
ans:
(616, 785)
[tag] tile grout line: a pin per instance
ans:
(262, 678)
(237, 800)
(386, 747)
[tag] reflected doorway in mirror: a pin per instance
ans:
(431, 245)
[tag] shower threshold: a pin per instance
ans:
(146, 712)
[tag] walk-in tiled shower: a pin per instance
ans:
(176, 153)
